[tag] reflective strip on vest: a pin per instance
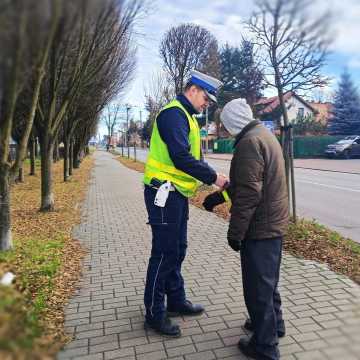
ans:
(159, 164)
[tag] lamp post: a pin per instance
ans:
(122, 141)
(128, 108)
(207, 131)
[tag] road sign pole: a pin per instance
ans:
(207, 132)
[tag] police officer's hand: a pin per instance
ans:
(213, 200)
(234, 244)
(221, 180)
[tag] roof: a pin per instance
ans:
(324, 110)
(273, 103)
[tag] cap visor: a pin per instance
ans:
(211, 96)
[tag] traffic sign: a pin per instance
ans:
(203, 133)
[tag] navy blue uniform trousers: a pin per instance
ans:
(169, 243)
(260, 263)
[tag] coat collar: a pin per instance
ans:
(245, 130)
(186, 104)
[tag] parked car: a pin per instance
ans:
(347, 148)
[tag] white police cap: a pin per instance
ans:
(208, 83)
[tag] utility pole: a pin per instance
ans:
(207, 132)
(128, 107)
(122, 141)
(141, 129)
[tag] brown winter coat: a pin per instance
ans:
(258, 190)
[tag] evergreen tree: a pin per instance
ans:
(240, 73)
(346, 113)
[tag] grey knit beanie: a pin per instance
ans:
(235, 115)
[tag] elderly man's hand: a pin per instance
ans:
(233, 242)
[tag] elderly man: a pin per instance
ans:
(259, 218)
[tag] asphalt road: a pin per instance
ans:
(331, 198)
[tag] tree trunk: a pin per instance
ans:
(285, 135)
(76, 156)
(293, 192)
(66, 159)
(47, 196)
(32, 155)
(36, 142)
(5, 229)
(286, 142)
(56, 155)
(21, 174)
(71, 157)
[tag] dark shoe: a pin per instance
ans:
(165, 327)
(249, 326)
(186, 309)
(248, 349)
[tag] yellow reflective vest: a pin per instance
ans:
(159, 164)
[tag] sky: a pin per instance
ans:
(225, 20)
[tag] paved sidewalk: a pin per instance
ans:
(321, 309)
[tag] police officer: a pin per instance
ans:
(175, 157)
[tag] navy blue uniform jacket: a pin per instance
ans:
(174, 130)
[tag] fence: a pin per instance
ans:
(304, 146)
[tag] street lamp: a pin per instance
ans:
(122, 141)
(128, 108)
(207, 132)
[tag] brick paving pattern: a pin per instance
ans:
(105, 316)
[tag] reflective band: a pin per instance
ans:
(176, 181)
(153, 291)
(226, 196)
(163, 167)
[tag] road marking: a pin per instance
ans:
(329, 186)
(328, 170)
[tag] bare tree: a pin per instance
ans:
(98, 32)
(107, 85)
(294, 46)
(158, 92)
(52, 54)
(184, 48)
(241, 74)
(111, 118)
(211, 60)
(25, 51)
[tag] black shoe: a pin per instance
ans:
(249, 326)
(186, 309)
(248, 349)
(165, 327)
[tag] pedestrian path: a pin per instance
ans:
(321, 309)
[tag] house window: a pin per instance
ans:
(301, 112)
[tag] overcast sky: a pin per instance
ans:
(224, 19)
